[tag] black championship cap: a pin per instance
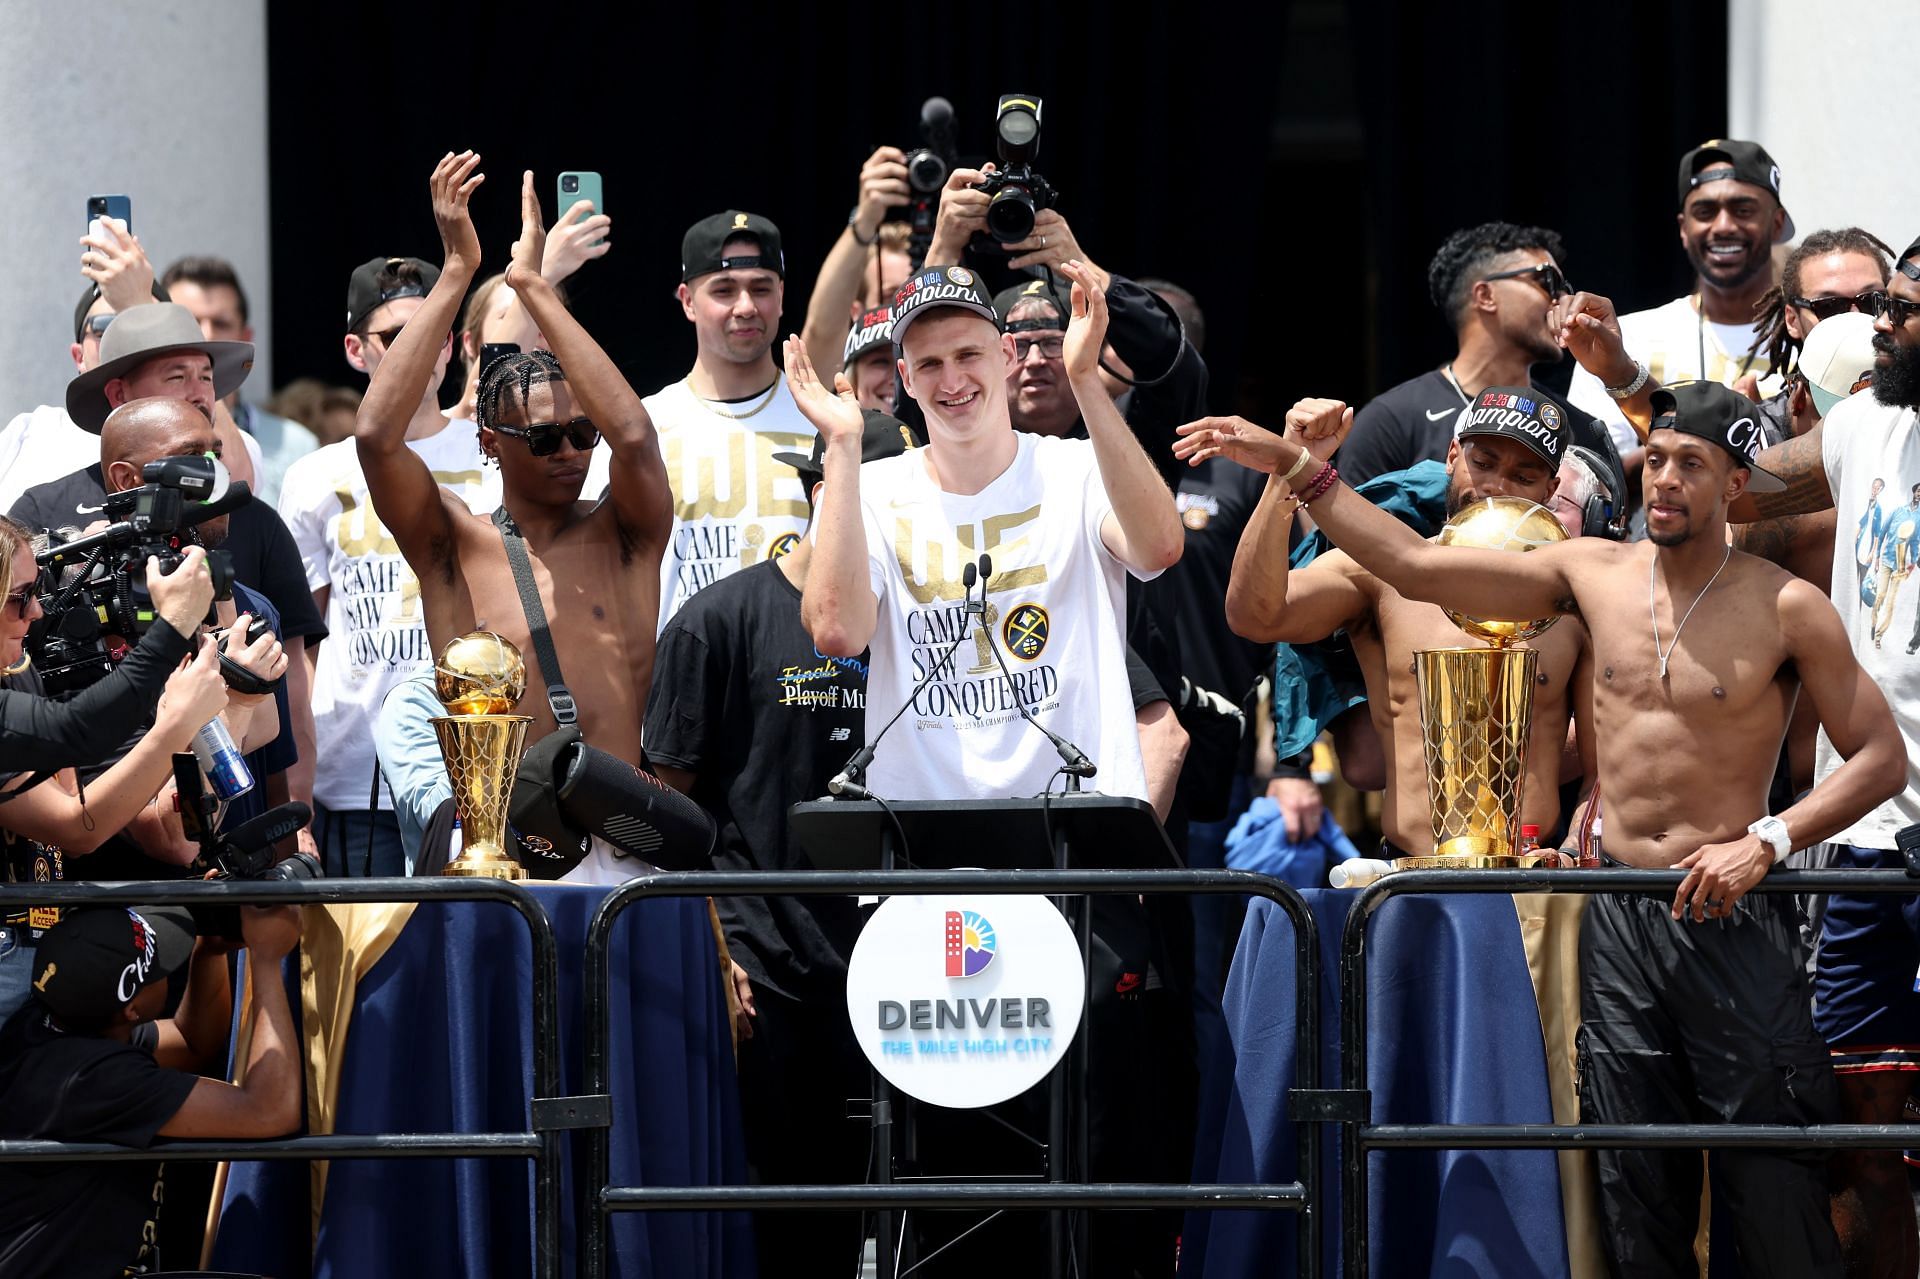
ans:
(881, 436)
(937, 287)
(1747, 162)
(1906, 264)
(93, 962)
(1718, 414)
(701, 247)
(1035, 290)
(873, 330)
(364, 293)
(92, 295)
(1521, 414)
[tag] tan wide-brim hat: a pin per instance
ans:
(143, 333)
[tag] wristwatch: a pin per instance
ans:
(1773, 833)
(1639, 380)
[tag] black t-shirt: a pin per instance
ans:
(743, 700)
(1216, 499)
(76, 1221)
(1414, 421)
(264, 554)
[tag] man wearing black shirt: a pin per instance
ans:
(748, 719)
(85, 1060)
(1496, 284)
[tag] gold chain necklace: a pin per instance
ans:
(711, 405)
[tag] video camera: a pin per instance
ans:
(1019, 191)
(927, 171)
(93, 587)
(245, 852)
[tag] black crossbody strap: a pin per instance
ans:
(559, 698)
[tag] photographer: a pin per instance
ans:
(87, 1059)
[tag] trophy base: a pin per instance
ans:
(484, 867)
(1468, 861)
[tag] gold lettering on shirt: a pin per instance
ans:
(358, 529)
(702, 500)
(938, 585)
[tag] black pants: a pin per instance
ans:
(1704, 1023)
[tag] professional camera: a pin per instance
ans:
(245, 852)
(1018, 190)
(93, 587)
(927, 171)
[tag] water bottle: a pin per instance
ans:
(220, 760)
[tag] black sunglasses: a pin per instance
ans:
(543, 438)
(1546, 275)
(96, 325)
(1898, 310)
(1826, 308)
(389, 337)
(21, 600)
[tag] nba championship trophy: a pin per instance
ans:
(479, 679)
(1476, 706)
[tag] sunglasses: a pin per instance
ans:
(1827, 307)
(543, 438)
(19, 601)
(1050, 348)
(1898, 310)
(388, 337)
(1546, 275)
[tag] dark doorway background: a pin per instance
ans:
(1294, 164)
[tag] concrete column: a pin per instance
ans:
(164, 101)
(1809, 82)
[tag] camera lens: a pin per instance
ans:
(570, 183)
(297, 866)
(926, 171)
(1010, 215)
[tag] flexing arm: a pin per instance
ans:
(1143, 531)
(883, 185)
(1476, 582)
(1802, 463)
(641, 501)
(404, 492)
(1856, 719)
(267, 1104)
(838, 606)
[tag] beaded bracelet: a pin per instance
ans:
(1320, 484)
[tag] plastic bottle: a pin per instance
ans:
(1530, 846)
(1358, 872)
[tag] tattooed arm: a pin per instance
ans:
(1801, 464)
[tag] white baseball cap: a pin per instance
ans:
(1837, 358)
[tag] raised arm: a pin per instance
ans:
(883, 186)
(1587, 325)
(837, 606)
(1802, 463)
(1143, 531)
(404, 491)
(1476, 582)
(1267, 601)
(638, 477)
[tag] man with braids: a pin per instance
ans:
(361, 583)
(1496, 284)
(595, 565)
(1867, 449)
(1729, 220)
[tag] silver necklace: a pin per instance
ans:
(1654, 619)
(1455, 382)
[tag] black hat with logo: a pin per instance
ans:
(703, 248)
(872, 331)
(364, 293)
(1520, 414)
(1748, 162)
(1035, 290)
(937, 287)
(91, 964)
(1719, 415)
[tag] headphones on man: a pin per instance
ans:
(1597, 512)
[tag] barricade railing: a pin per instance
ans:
(548, 1114)
(1359, 1135)
(600, 1198)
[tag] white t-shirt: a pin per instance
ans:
(733, 504)
(376, 631)
(1673, 341)
(1864, 441)
(1055, 608)
(40, 446)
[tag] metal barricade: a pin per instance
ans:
(540, 1143)
(600, 1199)
(1360, 1135)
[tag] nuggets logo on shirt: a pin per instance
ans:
(1026, 632)
(782, 545)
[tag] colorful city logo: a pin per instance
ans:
(970, 943)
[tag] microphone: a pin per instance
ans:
(269, 827)
(1073, 760)
(935, 114)
(848, 782)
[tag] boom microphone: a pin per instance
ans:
(1073, 760)
(269, 827)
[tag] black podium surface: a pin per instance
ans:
(1099, 832)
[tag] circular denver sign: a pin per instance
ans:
(965, 1001)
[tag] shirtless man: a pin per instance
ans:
(1512, 445)
(1682, 1021)
(597, 565)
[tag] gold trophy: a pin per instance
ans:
(480, 678)
(1476, 706)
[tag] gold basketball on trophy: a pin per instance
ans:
(1502, 524)
(480, 674)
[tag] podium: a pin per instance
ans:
(1077, 830)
